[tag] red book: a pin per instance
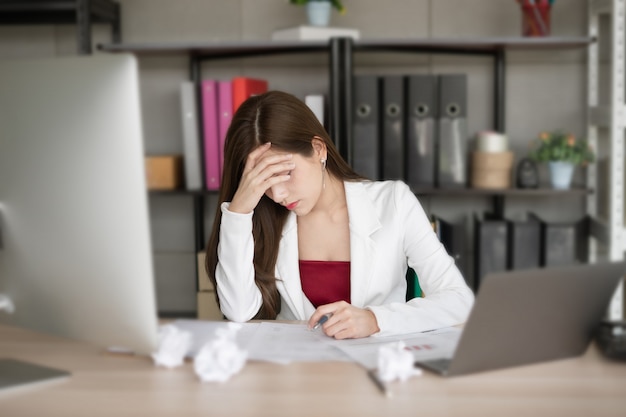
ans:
(244, 87)
(210, 130)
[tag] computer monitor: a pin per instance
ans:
(75, 248)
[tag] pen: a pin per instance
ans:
(373, 374)
(322, 320)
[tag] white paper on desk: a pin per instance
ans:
(286, 342)
(435, 344)
(269, 341)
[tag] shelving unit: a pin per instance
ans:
(83, 13)
(340, 53)
(607, 121)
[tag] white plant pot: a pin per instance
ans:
(318, 13)
(561, 174)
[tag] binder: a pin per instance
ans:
(225, 115)
(365, 147)
(392, 117)
(564, 243)
(210, 130)
(452, 236)
(524, 242)
(490, 246)
(452, 131)
(421, 118)
(246, 87)
(191, 136)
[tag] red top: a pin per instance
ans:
(325, 282)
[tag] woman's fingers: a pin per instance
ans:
(255, 154)
(347, 321)
(262, 172)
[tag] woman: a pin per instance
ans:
(299, 235)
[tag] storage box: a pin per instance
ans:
(164, 172)
(490, 246)
(208, 309)
(564, 243)
(452, 236)
(207, 306)
(492, 170)
(524, 243)
(204, 283)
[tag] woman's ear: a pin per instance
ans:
(319, 147)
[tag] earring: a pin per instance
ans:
(323, 161)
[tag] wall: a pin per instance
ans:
(545, 90)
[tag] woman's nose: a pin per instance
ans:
(279, 193)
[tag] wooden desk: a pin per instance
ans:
(103, 384)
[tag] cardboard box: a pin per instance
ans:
(207, 306)
(164, 172)
(204, 283)
(492, 170)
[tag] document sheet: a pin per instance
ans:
(294, 342)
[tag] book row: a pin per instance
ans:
(204, 127)
(407, 127)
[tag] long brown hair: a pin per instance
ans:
(290, 125)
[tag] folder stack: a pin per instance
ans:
(412, 128)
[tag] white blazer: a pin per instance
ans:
(389, 231)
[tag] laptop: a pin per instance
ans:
(528, 316)
(15, 373)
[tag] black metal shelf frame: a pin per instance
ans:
(340, 54)
(83, 13)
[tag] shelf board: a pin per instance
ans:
(443, 192)
(225, 49)
(182, 191)
(517, 192)
(55, 12)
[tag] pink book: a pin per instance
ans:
(210, 130)
(225, 115)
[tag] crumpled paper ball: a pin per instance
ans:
(174, 344)
(6, 304)
(396, 363)
(220, 358)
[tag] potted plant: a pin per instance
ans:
(318, 11)
(563, 152)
